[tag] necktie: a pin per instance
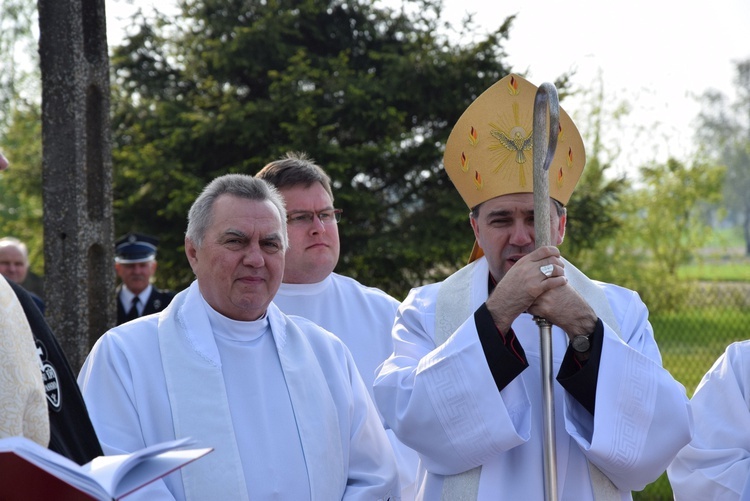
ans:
(133, 313)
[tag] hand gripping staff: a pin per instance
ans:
(545, 143)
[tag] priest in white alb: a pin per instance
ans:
(360, 316)
(278, 398)
(463, 386)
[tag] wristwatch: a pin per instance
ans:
(581, 343)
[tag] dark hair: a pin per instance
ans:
(559, 208)
(295, 169)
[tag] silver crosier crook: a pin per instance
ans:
(545, 143)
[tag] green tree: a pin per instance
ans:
(673, 226)
(20, 128)
(592, 212)
(371, 93)
(724, 132)
(21, 185)
(663, 224)
(19, 79)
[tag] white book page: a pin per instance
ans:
(156, 467)
(108, 470)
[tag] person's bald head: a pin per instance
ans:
(14, 259)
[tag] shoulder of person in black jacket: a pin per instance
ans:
(71, 431)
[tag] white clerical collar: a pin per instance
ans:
(238, 330)
(305, 289)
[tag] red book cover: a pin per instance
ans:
(31, 472)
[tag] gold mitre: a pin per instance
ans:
(489, 152)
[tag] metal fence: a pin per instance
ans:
(692, 338)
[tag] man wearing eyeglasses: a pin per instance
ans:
(360, 316)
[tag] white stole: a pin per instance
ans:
(453, 307)
(200, 408)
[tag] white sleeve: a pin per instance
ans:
(716, 463)
(373, 473)
(443, 402)
(642, 416)
(108, 391)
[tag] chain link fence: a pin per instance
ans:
(690, 339)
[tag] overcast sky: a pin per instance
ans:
(656, 54)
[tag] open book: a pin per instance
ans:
(32, 472)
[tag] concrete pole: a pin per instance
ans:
(79, 278)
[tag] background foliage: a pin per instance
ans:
(371, 93)
(724, 130)
(20, 127)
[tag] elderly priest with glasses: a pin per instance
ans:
(463, 386)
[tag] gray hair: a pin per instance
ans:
(236, 185)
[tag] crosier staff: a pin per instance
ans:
(544, 145)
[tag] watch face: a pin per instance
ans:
(581, 344)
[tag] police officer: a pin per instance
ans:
(135, 263)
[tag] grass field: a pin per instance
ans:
(738, 270)
(724, 241)
(723, 259)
